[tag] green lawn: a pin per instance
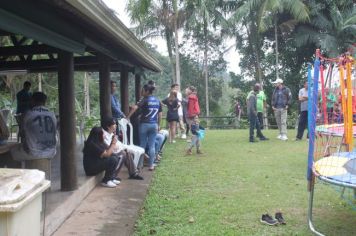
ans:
(225, 191)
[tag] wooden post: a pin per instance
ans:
(67, 121)
(134, 118)
(124, 90)
(137, 87)
(104, 88)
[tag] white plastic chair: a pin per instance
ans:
(135, 150)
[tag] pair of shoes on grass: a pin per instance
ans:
(269, 220)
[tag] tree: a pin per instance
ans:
(205, 15)
(267, 15)
(159, 18)
(331, 28)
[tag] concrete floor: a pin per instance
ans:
(108, 211)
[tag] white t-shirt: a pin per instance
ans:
(107, 140)
(40, 127)
(180, 98)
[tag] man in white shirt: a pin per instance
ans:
(175, 87)
(39, 132)
(126, 158)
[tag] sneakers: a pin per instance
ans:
(184, 136)
(284, 137)
(263, 138)
(199, 152)
(267, 219)
(188, 152)
(116, 181)
(108, 184)
(138, 177)
(279, 136)
(298, 139)
(280, 218)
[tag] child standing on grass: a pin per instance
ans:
(195, 127)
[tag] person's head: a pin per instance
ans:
(175, 87)
(151, 82)
(196, 119)
(27, 85)
(109, 124)
(256, 88)
(172, 94)
(193, 89)
(278, 83)
(113, 86)
(147, 90)
(39, 99)
(306, 84)
(96, 135)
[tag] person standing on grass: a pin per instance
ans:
(303, 115)
(195, 127)
(330, 103)
(176, 88)
(193, 108)
(281, 99)
(172, 104)
(252, 115)
(261, 105)
(151, 113)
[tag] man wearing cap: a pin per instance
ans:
(281, 99)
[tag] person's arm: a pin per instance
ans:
(110, 150)
(133, 110)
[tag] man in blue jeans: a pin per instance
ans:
(252, 115)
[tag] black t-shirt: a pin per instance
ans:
(93, 151)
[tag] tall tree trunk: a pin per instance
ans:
(168, 36)
(253, 44)
(176, 41)
(276, 39)
(206, 66)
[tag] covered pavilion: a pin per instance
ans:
(64, 36)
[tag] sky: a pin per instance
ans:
(119, 6)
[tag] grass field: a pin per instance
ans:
(225, 191)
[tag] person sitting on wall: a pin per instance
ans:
(38, 132)
(98, 157)
(120, 151)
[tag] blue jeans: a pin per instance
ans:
(148, 132)
(158, 142)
